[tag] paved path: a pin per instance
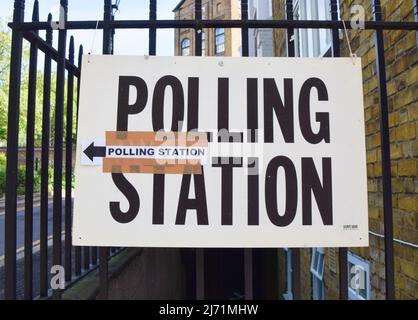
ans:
(20, 225)
(20, 243)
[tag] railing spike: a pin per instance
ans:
(71, 48)
(80, 55)
(35, 13)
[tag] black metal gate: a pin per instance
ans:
(86, 258)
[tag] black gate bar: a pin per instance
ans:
(342, 252)
(104, 251)
(46, 113)
(290, 32)
(78, 248)
(199, 252)
(152, 37)
(29, 31)
(12, 154)
(251, 24)
(69, 167)
(244, 30)
(295, 256)
(63, 64)
(416, 15)
(58, 141)
(198, 32)
(47, 48)
(30, 146)
(248, 252)
(385, 154)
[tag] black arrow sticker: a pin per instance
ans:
(91, 151)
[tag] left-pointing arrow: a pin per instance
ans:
(95, 151)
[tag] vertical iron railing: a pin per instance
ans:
(385, 154)
(86, 257)
(46, 113)
(78, 258)
(199, 252)
(58, 140)
(152, 31)
(30, 149)
(107, 49)
(12, 153)
(64, 113)
(69, 166)
(416, 17)
(86, 250)
(295, 263)
(342, 252)
(248, 252)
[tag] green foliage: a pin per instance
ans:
(5, 46)
(5, 41)
(2, 173)
(21, 178)
(2, 160)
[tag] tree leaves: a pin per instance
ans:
(5, 48)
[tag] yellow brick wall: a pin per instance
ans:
(402, 74)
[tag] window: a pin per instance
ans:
(288, 294)
(255, 36)
(185, 47)
(312, 42)
(358, 278)
(219, 40)
(203, 43)
(317, 270)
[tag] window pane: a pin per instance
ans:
(203, 43)
(315, 262)
(321, 265)
(185, 47)
(363, 292)
(317, 289)
(219, 40)
(358, 280)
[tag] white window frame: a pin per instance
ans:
(254, 13)
(288, 295)
(317, 270)
(255, 32)
(203, 43)
(223, 45)
(182, 48)
(365, 266)
(328, 35)
(308, 42)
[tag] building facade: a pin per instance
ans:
(319, 266)
(215, 42)
(260, 41)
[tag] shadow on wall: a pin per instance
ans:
(156, 273)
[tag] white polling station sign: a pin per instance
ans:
(220, 152)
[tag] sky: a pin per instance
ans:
(127, 41)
